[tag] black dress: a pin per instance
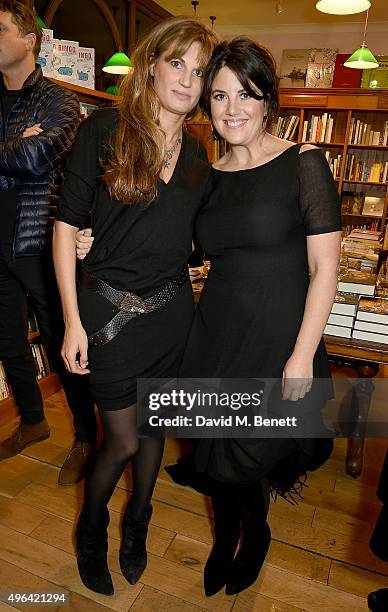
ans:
(136, 248)
(253, 226)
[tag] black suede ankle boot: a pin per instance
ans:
(253, 502)
(91, 549)
(227, 536)
(249, 560)
(133, 552)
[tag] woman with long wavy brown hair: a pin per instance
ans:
(142, 177)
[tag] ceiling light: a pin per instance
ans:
(342, 7)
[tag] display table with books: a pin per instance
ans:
(365, 358)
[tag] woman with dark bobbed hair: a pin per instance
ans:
(271, 226)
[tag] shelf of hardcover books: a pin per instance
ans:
(47, 379)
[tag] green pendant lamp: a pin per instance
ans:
(362, 58)
(112, 89)
(40, 22)
(342, 7)
(119, 63)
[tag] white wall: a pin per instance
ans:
(346, 37)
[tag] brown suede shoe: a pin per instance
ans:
(74, 468)
(23, 436)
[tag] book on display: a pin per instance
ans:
(373, 310)
(320, 67)
(65, 60)
(45, 58)
(293, 67)
(338, 330)
(358, 281)
(370, 337)
(343, 320)
(345, 304)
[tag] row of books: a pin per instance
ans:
(335, 163)
(365, 171)
(286, 127)
(325, 67)
(66, 60)
(362, 133)
(42, 367)
(41, 361)
(362, 318)
(347, 229)
(319, 128)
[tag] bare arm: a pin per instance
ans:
(75, 340)
(323, 252)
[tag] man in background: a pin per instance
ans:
(38, 123)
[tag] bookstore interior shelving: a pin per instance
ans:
(351, 126)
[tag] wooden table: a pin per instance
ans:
(365, 358)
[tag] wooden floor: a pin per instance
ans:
(318, 561)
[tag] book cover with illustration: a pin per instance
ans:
(376, 78)
(320, 67)
(293, 67)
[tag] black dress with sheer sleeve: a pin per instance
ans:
(254, 227)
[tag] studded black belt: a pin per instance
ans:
(129, 304)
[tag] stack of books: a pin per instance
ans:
(343, 312)
(372, 320)
(362, 248)
(361, 282)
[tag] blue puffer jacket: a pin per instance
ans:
(34, 165)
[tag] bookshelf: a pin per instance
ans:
(351, 127)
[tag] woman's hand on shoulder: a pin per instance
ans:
(75, 349)
(297, 377)
(83, 241)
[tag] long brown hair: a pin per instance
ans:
(132, 171)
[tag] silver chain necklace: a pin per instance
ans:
(170, 152)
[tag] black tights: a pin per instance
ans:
(121, 443)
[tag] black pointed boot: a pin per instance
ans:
(133, 552)
(246, 566)
(227, 536)
(249, 560)
(92, 549)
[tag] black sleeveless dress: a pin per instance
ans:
(253, 226)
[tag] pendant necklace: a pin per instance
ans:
(170, 152)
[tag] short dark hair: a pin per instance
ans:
(252, 64)
(25, 20)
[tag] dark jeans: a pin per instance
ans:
(32, 279)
